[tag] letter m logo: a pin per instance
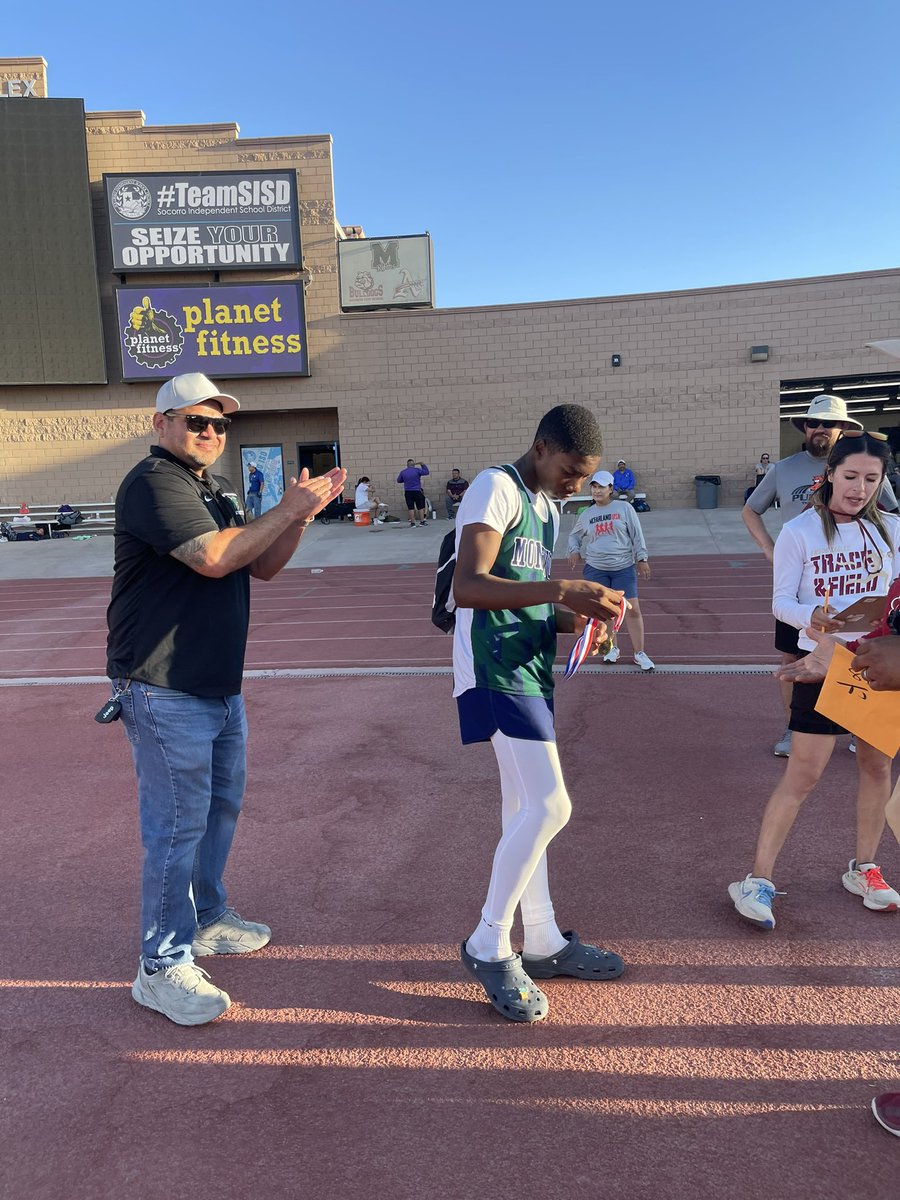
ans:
(385, 256)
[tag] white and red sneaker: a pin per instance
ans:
(866, 880)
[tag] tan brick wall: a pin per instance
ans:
(466, 387)
(456, 387)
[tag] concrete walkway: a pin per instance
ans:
(341, 544)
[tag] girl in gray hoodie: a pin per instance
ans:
(608, 535)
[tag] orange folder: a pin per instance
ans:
(848, 699)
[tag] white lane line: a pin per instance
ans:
(327, 672)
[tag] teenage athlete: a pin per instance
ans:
(503, 649)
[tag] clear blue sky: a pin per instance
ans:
(553, 151)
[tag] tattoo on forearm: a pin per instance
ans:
(193, 553)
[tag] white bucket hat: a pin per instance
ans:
(826, 408)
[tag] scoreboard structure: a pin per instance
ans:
(50, 322)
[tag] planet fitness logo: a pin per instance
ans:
(131, 199)
(152, 336)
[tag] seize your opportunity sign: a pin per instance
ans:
(217, 220)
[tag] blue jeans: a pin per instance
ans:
(254, 503)
(191, 764)
(624, 580)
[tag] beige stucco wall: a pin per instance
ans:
(455, 387)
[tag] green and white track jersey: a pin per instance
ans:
(508, 650)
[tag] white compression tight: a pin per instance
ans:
(536, 806)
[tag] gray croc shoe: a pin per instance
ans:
(507, 987)
(578, 960)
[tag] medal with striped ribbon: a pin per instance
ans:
(582, 646)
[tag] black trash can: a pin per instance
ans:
(707, 493)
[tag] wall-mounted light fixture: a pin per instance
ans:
(616, 360)
(759, 353)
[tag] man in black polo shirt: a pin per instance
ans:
(178, 621)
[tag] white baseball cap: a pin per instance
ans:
(603, 478)
(194, 388)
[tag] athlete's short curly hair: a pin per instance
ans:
(571, 429)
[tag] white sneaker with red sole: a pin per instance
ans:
(866, 880)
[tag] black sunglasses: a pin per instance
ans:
(822, 424)
(198, 424)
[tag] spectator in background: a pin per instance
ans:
(623, 481)
(763, 467)
(366, 500)
(615, 554)
(256, 483)
(456, 486)
(760, 470)
(411, 478)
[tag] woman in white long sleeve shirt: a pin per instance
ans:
(826, 559)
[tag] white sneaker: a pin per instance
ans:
(182, 993)
(231, 934)
(866, 880)
(612, 655)
(753, 898)
(644, 661)
(852, 743)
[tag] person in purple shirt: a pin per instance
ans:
(411, 478)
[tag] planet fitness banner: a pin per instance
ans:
(228, 330)
(214, 220)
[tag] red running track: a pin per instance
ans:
(700, 609)
(359, 1060)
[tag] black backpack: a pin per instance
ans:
(442, 606)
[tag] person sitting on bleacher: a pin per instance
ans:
(623, 481)
(455, 488)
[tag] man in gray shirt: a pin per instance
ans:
(791, 482)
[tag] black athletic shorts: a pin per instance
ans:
(415, 500)
(804, 718)
(786, 638)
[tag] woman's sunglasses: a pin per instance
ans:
(198, 424)
(852, 433)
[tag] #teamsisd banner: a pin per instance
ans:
(227, 330)
(216, 220)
